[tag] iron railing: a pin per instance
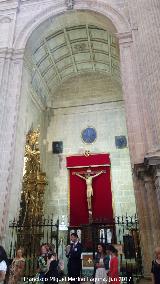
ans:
(123, 233)
(30, 237)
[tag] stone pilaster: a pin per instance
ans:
(152, 162)
(146, 184)
(10, 96)
(130, 98)
(146, 239)
(145, 16)
(153, 210)
(157, 185)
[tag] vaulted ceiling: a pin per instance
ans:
(70, 51)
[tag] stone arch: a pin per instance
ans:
(123, 32)
(123, 29)
(118, 19)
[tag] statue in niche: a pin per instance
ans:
(109, 236)
(79, 234)
(88, 179)
(102, 236)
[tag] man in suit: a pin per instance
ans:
(73, 252)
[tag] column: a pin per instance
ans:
(133, 120)
(10, 98)
(151, 202)
(145, 16)
(146, 240)
(157, 185)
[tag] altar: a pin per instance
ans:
(87, 264)
(90, 204)
(91, 213)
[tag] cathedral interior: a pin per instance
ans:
(79, 136)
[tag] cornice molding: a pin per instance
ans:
(11, 5)
(152, 158)
(10, 53)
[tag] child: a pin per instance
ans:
(113, 270)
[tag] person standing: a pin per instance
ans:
(73, 253)
(3, 264)
(155, 270)
(52, 272)
(101, 264)
(17, 267)
(113, 266)
(42, 263)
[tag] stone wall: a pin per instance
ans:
(107, 115)
(89, 88)
(31, 115)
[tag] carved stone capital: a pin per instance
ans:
(152, 158)
(11, 53)
(139, 171)
(143, 173)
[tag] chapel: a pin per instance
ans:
(80, 128)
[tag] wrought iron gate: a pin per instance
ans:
(123, 233)
(30, 238)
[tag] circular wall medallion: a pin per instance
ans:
(89, 135)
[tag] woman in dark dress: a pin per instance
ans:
(52, 275)
(42, 266)
(155, 270)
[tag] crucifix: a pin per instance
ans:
(88, 177)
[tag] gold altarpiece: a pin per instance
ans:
(32, 195)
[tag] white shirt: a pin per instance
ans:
(3, 266)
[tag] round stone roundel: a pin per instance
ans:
(89, 135)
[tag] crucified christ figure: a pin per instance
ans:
(88, 179)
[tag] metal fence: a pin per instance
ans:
(30, 237)
(123, 233)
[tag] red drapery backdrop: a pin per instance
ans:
(102, 196)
